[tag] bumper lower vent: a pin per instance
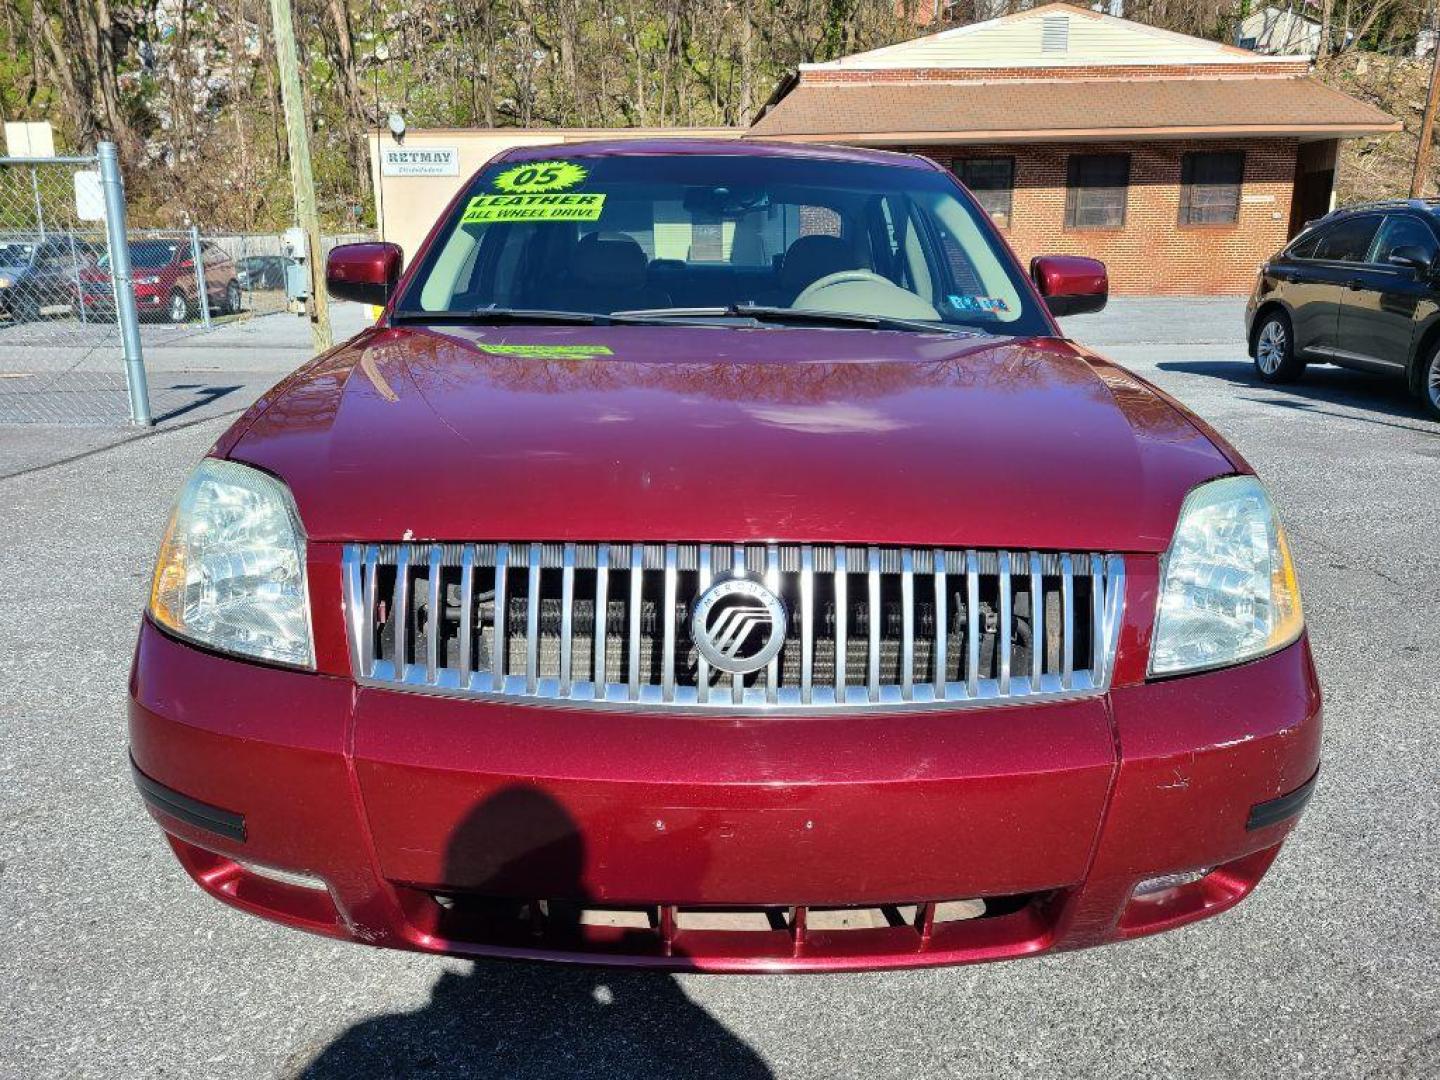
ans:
(610, 625)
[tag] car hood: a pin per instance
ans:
(724, 433)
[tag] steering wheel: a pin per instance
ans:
(863, 292)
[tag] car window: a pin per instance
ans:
(1348, 240)
(1403, 230)
(1304, 247)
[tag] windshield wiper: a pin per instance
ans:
(540, 316)
(766, 313)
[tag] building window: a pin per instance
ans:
(1210, 188)
(1095, 194)
(992, 182)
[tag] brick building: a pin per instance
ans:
(1180, 162)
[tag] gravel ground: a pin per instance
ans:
(113, 964)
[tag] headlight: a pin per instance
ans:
(231, 570)
(1228, 591)
(5, 282)
(151, 280)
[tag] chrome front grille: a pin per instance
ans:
(608, 625)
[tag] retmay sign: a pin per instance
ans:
(426, 161)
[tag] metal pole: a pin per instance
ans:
(39, 207)
(202, 293)
(75, 278)
(1427, 128)
(298, 135)
(115, 236)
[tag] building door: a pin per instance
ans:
(1314, 182)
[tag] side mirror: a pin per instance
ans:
(363, 272)
(1071, 284)
(1411, 256)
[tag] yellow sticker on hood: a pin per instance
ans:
(571, 206)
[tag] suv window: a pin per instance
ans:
(1403, 230)
(1349, 240)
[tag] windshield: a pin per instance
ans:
(701, 235)
(16, 254)
(148, 255)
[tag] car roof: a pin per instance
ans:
(668, 147)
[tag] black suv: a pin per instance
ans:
(1360, 288)
(38, 275)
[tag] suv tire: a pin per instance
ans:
(1427, 382)
(232, 298)
(178, 309)
(1274, 351)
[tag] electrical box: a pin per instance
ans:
(297, 269)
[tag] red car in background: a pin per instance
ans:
(717, 558)
(165, 283)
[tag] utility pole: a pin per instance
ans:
(1427, 130)
(298, 134)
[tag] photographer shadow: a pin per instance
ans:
(503, 1019)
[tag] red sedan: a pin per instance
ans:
(716, 559)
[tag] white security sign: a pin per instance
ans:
(89, 196)
(421, 161)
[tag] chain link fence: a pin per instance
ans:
(68, 354)
(60, 340)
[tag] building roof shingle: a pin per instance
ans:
(936, 111)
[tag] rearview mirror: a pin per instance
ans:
(363, 272)
(1071, 284)
(1412, 256)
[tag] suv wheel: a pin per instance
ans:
(178, 310)
(1275, 360)
(1429, 385)
(232, 298)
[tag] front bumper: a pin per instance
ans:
(720, 844)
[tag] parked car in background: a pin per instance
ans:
(718, 558)
(40, 276)
(165, 282)
(256, 272)
(1359, 288)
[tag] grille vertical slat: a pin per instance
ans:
(702, 666)
(400, 616)
(1067, 609)
(567, 619)
(942, 617)
(532, 623)
(875, 615)
(772, 582)
(737, 567)
(972, 624)
(1097, 609)
(637, 577)
(498, 650)
(907, 624)
(602, 601)
(432, 615)
(807, 624)
(868, 626)
(1037, 624)
(667, 663)
(467, 614)
(842, 619)
(1007, 622)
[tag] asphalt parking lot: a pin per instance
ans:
(113, 964)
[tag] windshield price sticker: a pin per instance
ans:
(536, 177)
(568, 207)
